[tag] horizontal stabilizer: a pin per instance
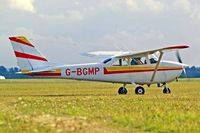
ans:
(48, 69)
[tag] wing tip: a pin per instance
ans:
(181, 46)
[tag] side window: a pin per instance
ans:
(121, 62)
(117, 63)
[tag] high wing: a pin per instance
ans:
(126, 54)
(161, 50)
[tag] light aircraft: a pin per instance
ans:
(141, 68)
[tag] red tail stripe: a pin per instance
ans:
(15, 39)
(28, 56)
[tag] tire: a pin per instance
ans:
(166, 90)
(169, 91)
(122, 91)
(139, 90)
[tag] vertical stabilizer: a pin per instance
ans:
(28, 56)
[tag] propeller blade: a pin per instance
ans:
(184, 71)
(178, 57)
(180, 61)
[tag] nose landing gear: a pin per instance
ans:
(166, 90)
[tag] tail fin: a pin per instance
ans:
(28, 57)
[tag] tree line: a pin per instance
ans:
(12, 73)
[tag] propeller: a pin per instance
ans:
(180, 61)
(178, 57)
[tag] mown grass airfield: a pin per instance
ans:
(48, 105)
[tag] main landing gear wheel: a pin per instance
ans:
(166, 90)
(122, 91)
(139, 90)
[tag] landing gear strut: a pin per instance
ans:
(139, 90)
(166, 90)
(122, 90)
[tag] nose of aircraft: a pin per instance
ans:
(183, 68)
(183, 65)
(179, 69)
(172, 63)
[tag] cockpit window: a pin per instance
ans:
(107, 60)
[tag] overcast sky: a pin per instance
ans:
(62, 29)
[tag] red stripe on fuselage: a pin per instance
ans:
(43, 74)
(15, 39)
(28, 56)
(137, 71)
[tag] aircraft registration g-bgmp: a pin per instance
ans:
(142, 68)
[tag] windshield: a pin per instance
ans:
(107, 60)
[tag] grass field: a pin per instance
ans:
(74, 106)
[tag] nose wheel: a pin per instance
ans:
(166, 90)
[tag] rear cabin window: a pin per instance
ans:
(121, 62)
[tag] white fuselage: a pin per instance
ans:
(138, 74)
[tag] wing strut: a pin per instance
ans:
(157, 65)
